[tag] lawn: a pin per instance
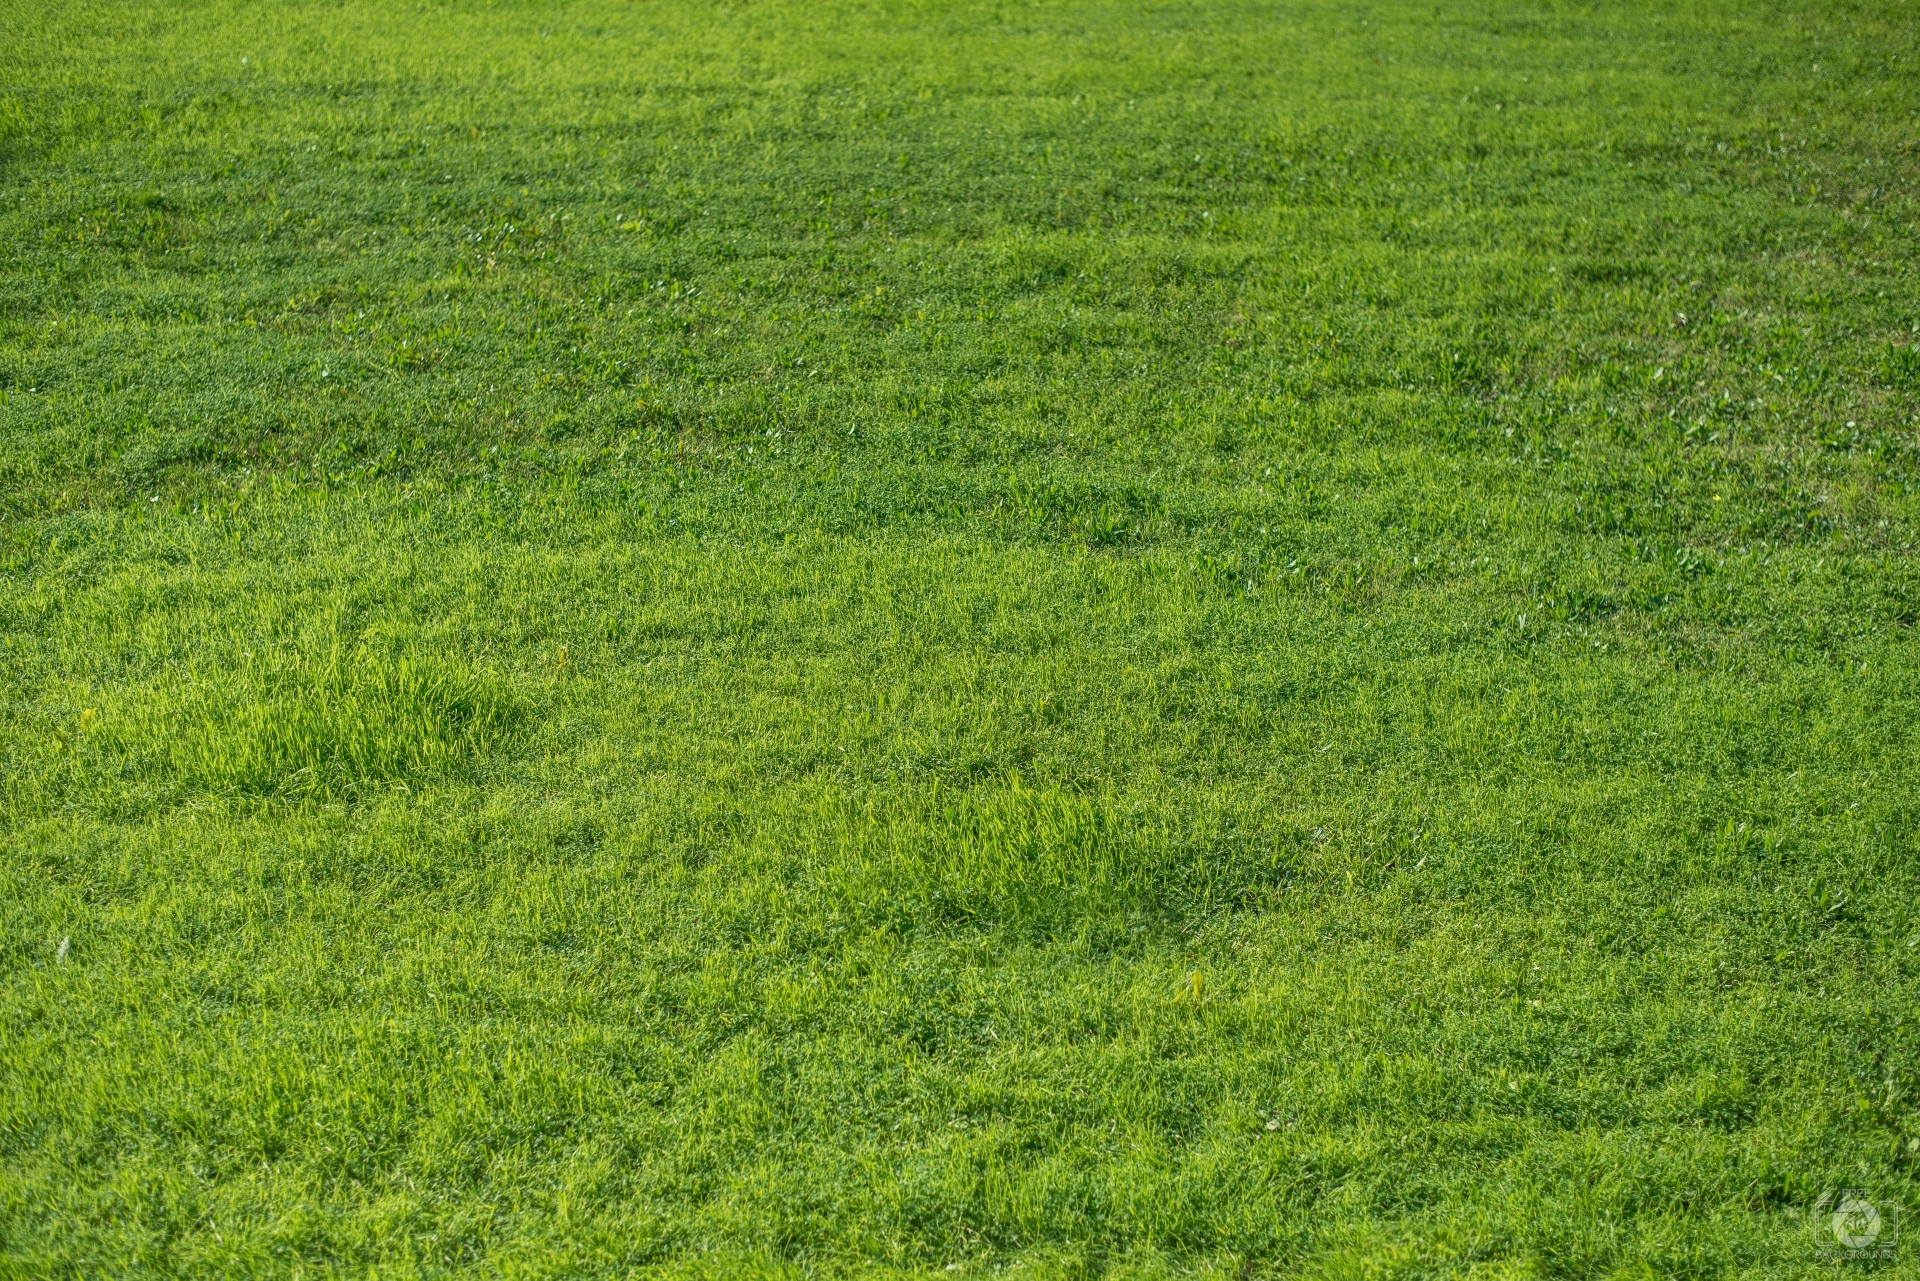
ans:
(1076, 639)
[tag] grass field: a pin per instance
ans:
(1253, 639)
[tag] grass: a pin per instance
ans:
(1072, 639)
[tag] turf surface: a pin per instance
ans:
(896, 639)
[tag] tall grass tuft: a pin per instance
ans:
(300, 725)
(1039, 858)
(1017, 850)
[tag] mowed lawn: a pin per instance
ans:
(1069, 639)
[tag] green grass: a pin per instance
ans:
(1077, 639)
